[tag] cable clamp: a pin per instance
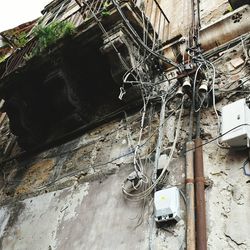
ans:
(200, 180)
(188, 180)
(122, 93)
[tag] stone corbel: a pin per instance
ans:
(121, 52)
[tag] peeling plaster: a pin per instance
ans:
(92, 210)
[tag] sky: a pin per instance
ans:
(15, 12)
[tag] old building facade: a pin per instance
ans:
(127, 101)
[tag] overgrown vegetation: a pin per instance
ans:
(2, 58)
(48, 35)
(21, 40)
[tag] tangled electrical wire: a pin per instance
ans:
(138, 185)
(132, 192)
(207, 72)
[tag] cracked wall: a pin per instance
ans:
(70, 197)
(228, 195)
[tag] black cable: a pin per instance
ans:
(132, 151)
(214, 139)
(138, 39)
(69, 136)
(111, 161)
(93, 166)
(125, 125)
(103, 164)
(198, 124)
(236, 88)
(190, 133)
(72, 135)
(22, 154)
(233, 43)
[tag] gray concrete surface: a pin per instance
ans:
(70, 197)
(90, 216)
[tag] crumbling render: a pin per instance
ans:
(110, 122)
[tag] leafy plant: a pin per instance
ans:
(2, 58)
(48, 35)
(28, 56)
(21, 40)
(105, 11)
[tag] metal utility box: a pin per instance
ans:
(167, 205)
(235, 115)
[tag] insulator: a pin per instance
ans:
(186, 84)
(179, 92)
(204, 87)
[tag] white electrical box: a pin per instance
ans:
(234, 116)
(167, 205)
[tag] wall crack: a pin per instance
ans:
(234, 241)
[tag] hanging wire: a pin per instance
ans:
(143, 194)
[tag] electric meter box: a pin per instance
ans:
(167, 205)
(234, 115)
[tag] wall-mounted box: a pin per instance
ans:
(167, 204)
(234, 116)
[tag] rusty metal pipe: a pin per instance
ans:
(190, 228)
(201, 237)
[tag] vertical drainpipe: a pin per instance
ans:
(190, 224)
(200, 203)
(190, 204)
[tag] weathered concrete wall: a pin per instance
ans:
(228, 197)
(87, 216)
(70, 197)
(179, 13)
